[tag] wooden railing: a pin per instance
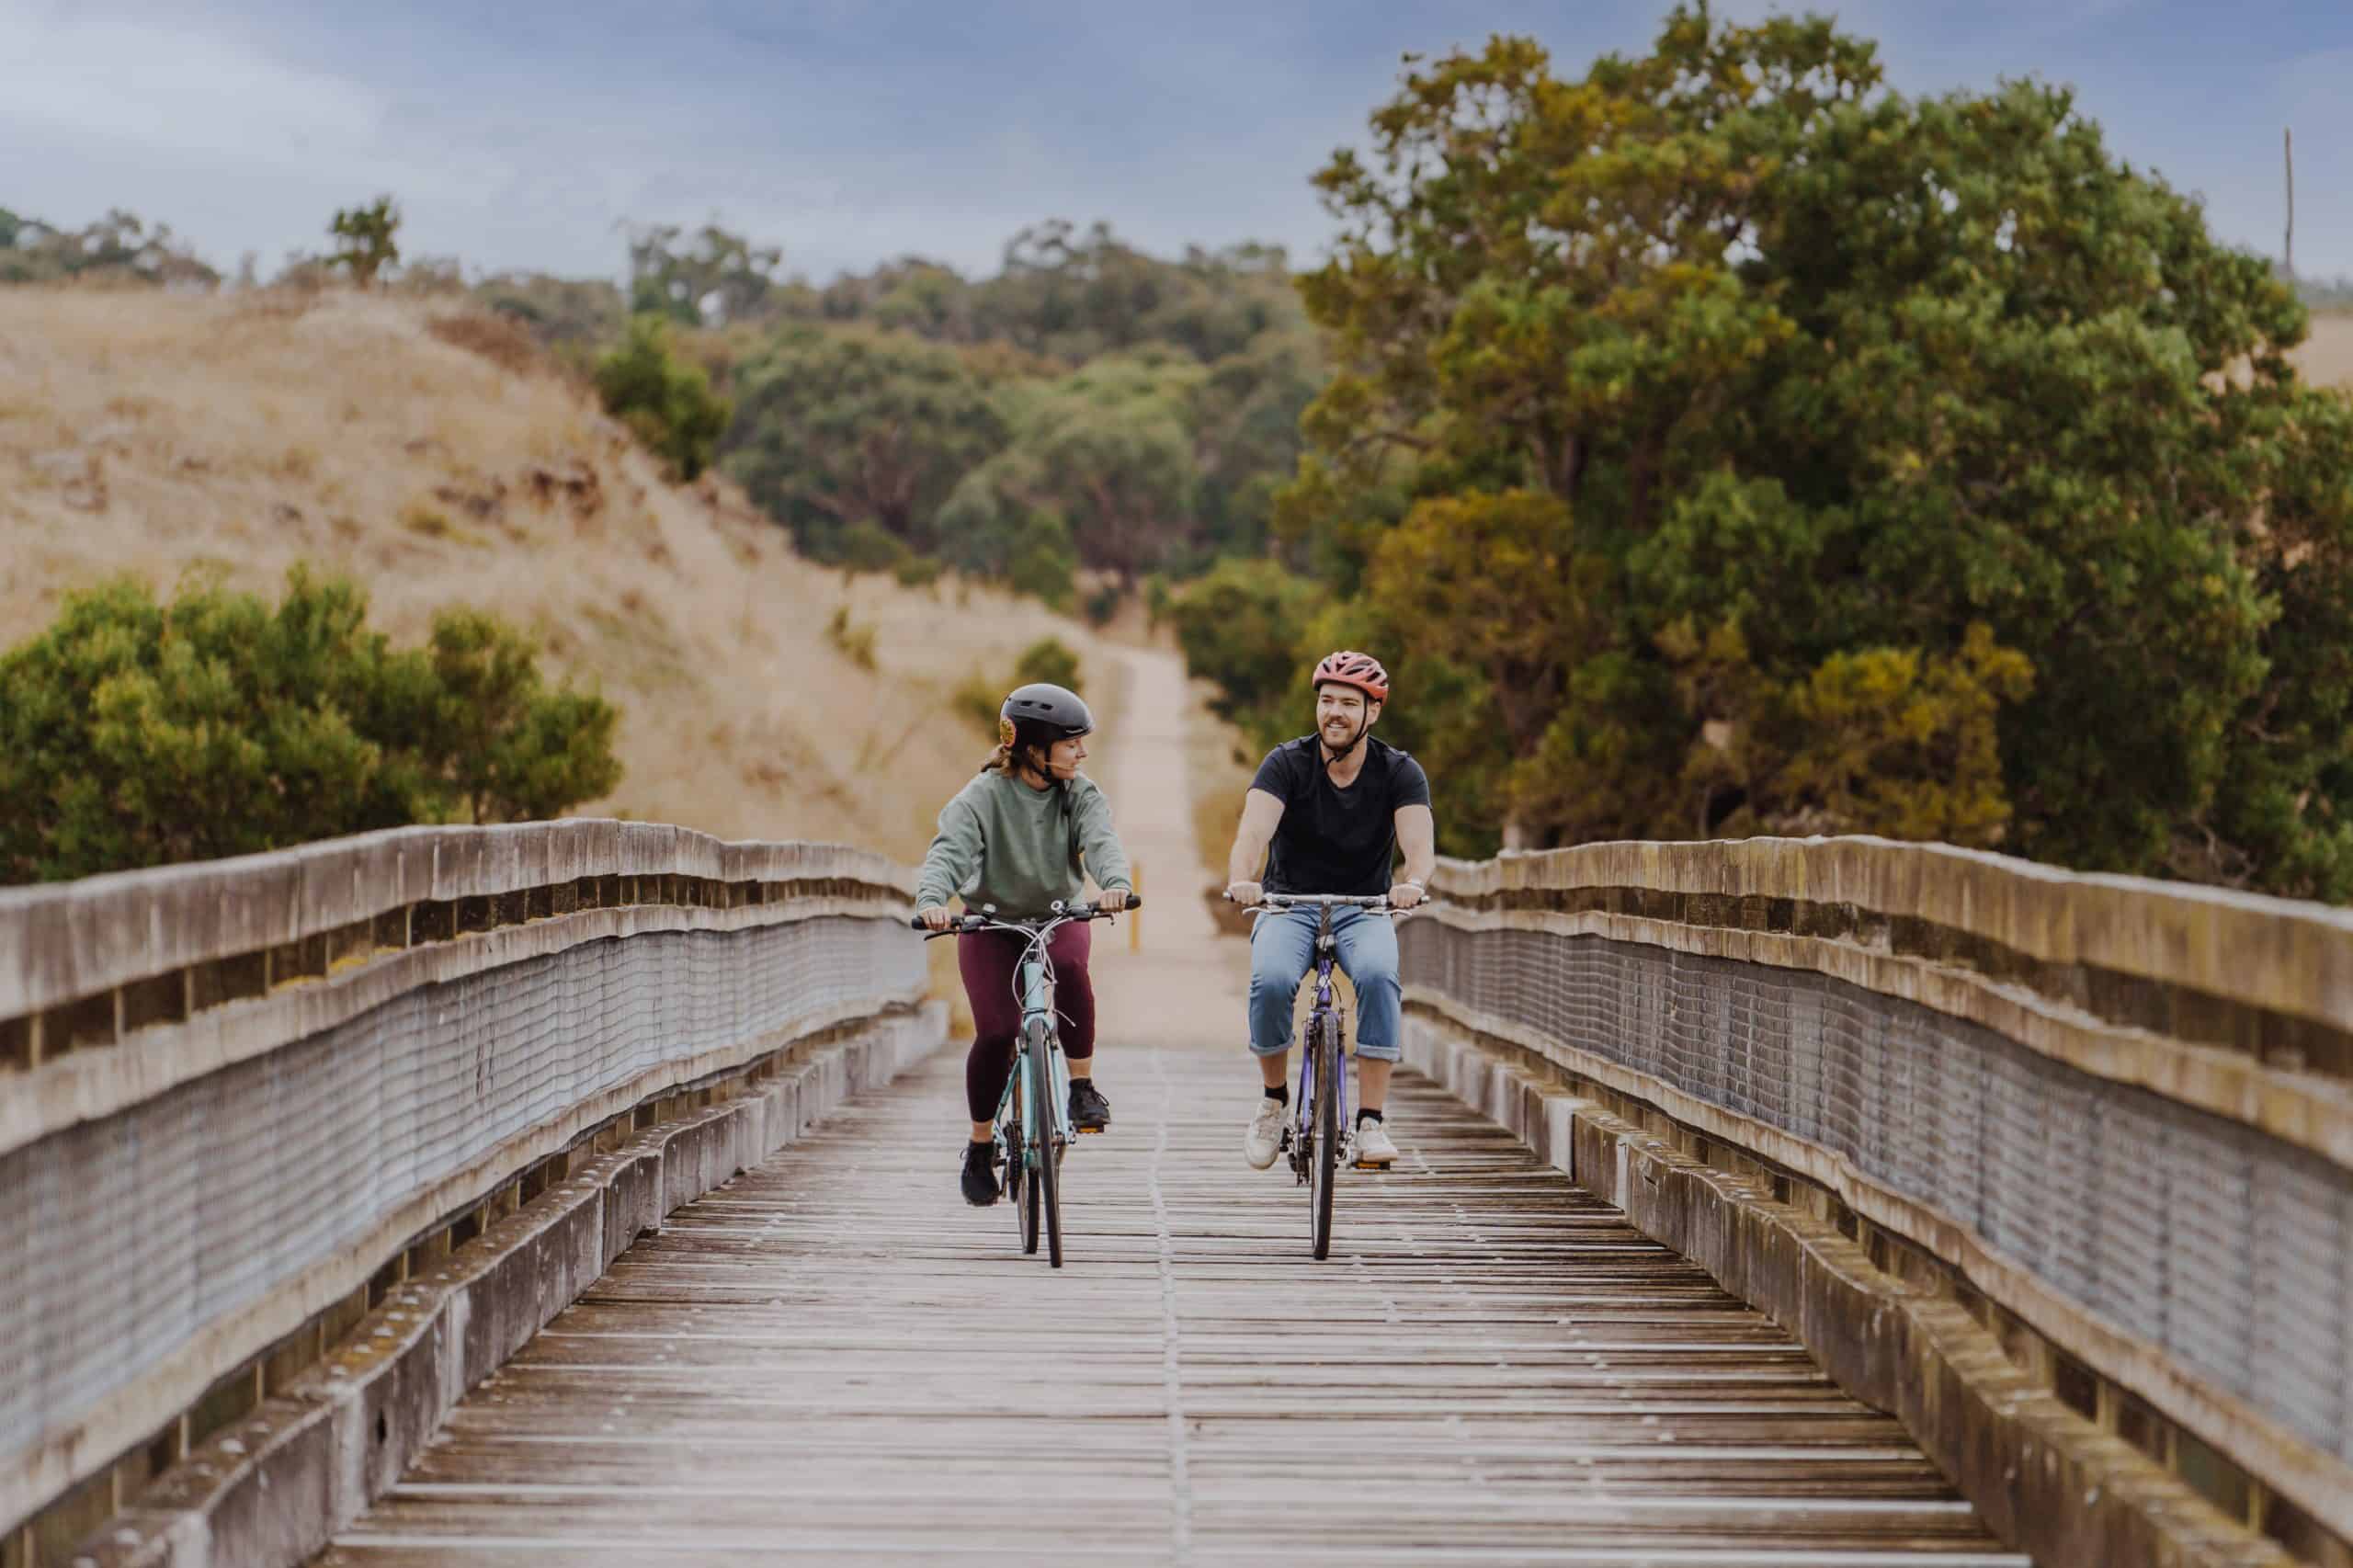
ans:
(2107, 1121)
(244, 1103)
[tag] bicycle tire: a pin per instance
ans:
(1327, 1133)
(1019, 1190)
(1046, 1187)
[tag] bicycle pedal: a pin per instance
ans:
(1090, 1132)
(1369, 1164)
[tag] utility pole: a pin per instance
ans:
(2288, 146)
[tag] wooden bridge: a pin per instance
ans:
(721, 1302)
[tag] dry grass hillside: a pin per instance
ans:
(435, 461)
(2328, 357)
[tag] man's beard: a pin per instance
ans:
(1343, 749)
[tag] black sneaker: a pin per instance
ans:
(980, 1173)
(1089, 1111)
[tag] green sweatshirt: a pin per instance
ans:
(1001, 842)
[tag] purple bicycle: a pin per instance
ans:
(1320, 1125)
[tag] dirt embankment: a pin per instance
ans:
(439, 464)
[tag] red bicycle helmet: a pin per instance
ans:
(1349, 668)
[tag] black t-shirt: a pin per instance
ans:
(1333, 840)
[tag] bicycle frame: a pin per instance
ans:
(1035, 986)
(1296, 1139)
(1327, 950)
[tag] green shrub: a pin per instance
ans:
(667, 402)
(853, 639)
(138, 734)
(863, 546)
(1244, 625)
(1047, 659)
(978, 699)
(917, 571)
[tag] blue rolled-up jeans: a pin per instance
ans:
(1282, 947)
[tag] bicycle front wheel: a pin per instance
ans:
(1045, 1185)
(1326, 1047)
(1019, 1190)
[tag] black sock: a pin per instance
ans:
(1362, 1112)
(1280, 1094)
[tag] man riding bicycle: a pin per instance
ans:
(1333, 808)
(1023, 835)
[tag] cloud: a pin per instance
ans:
(853, 130)
(187, 96)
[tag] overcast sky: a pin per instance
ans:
(850, 131)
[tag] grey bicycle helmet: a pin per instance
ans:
(1044, 711)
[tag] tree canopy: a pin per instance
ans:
(1756, 449)
(834, 429)
(367, 239)
(119, 246)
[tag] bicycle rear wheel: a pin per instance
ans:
(1046, 1183)
(1326, 1047)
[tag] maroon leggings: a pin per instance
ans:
(991, 962)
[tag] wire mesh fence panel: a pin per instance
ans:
(2229, 1249)
(128, 1235)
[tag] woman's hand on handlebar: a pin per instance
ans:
(1244, 894)
(938, 917)
(1110, 901)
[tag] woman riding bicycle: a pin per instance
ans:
(1021, 836)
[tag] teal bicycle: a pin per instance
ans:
(1033, 1129)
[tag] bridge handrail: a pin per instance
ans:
(2235, 1003)
(2280, 955)
(231, 1091)
(64, 942)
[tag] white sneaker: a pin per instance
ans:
(1373, 1149)
(1265, 1133)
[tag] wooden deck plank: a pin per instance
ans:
(832, 1356)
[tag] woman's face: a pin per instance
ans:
(1063, 756)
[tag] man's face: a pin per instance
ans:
(1341, 715)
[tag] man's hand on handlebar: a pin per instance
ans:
(1244, 894)
(1405, 895)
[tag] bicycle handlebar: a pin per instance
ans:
(1276, 902)
(1318, 900)
(970, 921)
